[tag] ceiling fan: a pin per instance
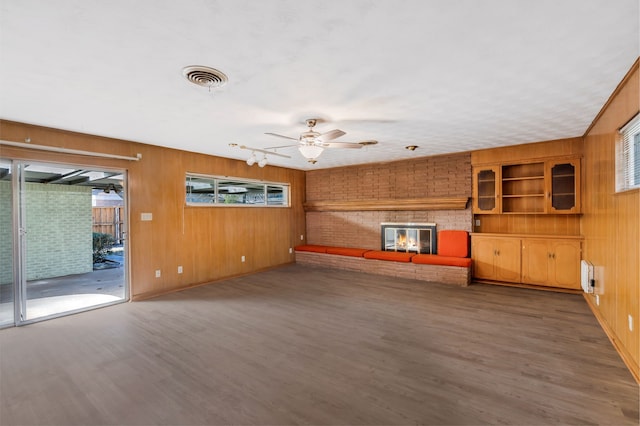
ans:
(311, 143)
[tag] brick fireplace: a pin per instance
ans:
(418, 179)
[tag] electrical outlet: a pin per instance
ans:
(301, 237)
(477, 222)
(242, 258)
(179, 269)
(290, 250)
(158, 273)
(597, 300)
(630, 323)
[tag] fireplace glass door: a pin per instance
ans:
(412, 238)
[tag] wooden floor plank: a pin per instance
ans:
(302, 345)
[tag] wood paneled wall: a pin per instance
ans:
(611, 224)
(539, 224)
(207, 242)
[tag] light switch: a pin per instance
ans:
(146, 216)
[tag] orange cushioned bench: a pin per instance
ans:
(436, 259)
(312, 247)
(393, 256)
(450, 266)
(347, 251)
(342, 251)
(453, 250)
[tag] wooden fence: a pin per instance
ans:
(109, 220)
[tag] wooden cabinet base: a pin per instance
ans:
(545, 261)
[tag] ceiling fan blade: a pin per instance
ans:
(283, 146)
(281, 136)
(331, 135)
(349, 144)
(341, 145)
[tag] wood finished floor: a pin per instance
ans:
(301, 345)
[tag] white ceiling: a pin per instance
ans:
(446, 75)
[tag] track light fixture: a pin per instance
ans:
(252, 160)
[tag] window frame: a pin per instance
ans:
(231, 181)
(628, 156)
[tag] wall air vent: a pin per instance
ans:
(205, 76)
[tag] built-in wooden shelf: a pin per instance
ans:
(439, 203)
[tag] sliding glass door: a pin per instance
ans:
(69, 249)
(7, 264)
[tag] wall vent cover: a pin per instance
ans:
(205, 76)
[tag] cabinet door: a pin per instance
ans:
(536, 255)
(496, 259)
(563, 186)
(507, 257)
(564, 268)
(483, 255)
(486, 184)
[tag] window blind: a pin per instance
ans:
(628, 156)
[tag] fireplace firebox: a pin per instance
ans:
(409, 237)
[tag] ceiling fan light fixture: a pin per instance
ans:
(310, 152)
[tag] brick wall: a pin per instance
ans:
(438, 176)
(6, 234)
(59, 230)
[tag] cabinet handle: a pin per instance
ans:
(553, 255)
(497, 252)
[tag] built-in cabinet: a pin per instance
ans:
(550, 261)
(526, 205)
(496, 258)
(541, 187)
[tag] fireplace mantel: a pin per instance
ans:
(433, 203)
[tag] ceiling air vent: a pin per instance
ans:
(205, 76)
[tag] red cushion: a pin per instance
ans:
(436, 259)
(347, 251)
(312, 247)
(453, 243)
(389, 255)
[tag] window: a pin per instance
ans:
(226, 191)
(628, 156)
